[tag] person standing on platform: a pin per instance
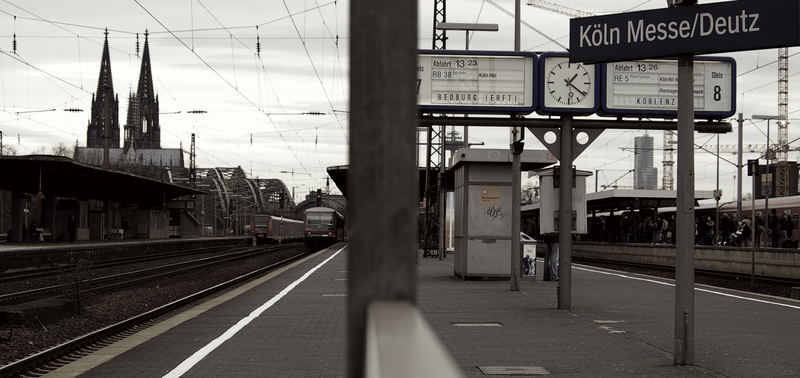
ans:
(124, 227)
(774, 229)
(746, 229)
(758, 229)
(554, 249)
(550, 262)
(72, 228)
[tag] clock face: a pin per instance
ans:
(568, 85)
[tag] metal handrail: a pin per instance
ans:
(400, 343)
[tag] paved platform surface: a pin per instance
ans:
(619, 325)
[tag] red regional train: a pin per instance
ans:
(268, 229)
(323, 227)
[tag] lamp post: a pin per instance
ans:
(769, 176)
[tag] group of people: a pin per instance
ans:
(731, 231)
(777, 233)
(649, 230)
(741, 233)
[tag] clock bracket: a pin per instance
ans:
(581, 138)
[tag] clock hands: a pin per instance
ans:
(572, 86)
(579, 91)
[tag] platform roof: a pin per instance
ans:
(530, 160)
(627, 199)
(64, 177)
(339, 176)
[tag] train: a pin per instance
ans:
(608, 227)
(323, 226)
(270, 229)
(605, 226)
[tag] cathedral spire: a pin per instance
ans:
(142, 126)
(103, 130)
(105, 83)
(145, 89)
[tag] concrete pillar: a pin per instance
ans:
(382, 205)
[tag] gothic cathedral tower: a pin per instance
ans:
(104, 121)
(142, 130)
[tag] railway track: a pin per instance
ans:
(765, 285)
(92, 286)
(59, 355)
(57, 269)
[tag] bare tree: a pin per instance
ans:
(530, 195)
(9, 151)
(61, 150)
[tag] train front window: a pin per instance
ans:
(320, 219)
(260, 221)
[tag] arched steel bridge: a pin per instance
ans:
(232, 197)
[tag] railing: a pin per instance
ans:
(400, 343)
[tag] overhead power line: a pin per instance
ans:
(17, 58)
(314, 66)
(244, 96)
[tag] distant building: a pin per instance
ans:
(645, 176)
(142, 142)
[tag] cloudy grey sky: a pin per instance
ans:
(203, 55)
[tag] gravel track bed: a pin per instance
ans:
(36, 283)
(22, 340)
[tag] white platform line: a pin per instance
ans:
(697, 288)
(233, 330)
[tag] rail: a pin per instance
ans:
(72, 349)
(400, 343)
(766, 262)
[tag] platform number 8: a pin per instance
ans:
(717, 93)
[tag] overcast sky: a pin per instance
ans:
(203, 55)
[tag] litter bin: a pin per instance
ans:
(528, 245)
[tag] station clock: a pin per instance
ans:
(566, 88)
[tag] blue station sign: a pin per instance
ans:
(698, 29)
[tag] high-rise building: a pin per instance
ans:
(645, 176)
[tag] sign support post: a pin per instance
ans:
(516, 150)
(516, 250)
(683, 352)
(565, 216)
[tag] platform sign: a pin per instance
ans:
(698, 29)
(650, 88)
(475, 81)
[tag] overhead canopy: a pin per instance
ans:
(617, 200)
(339, 176)
(63, 177)
(626, 199)
(530, 160)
